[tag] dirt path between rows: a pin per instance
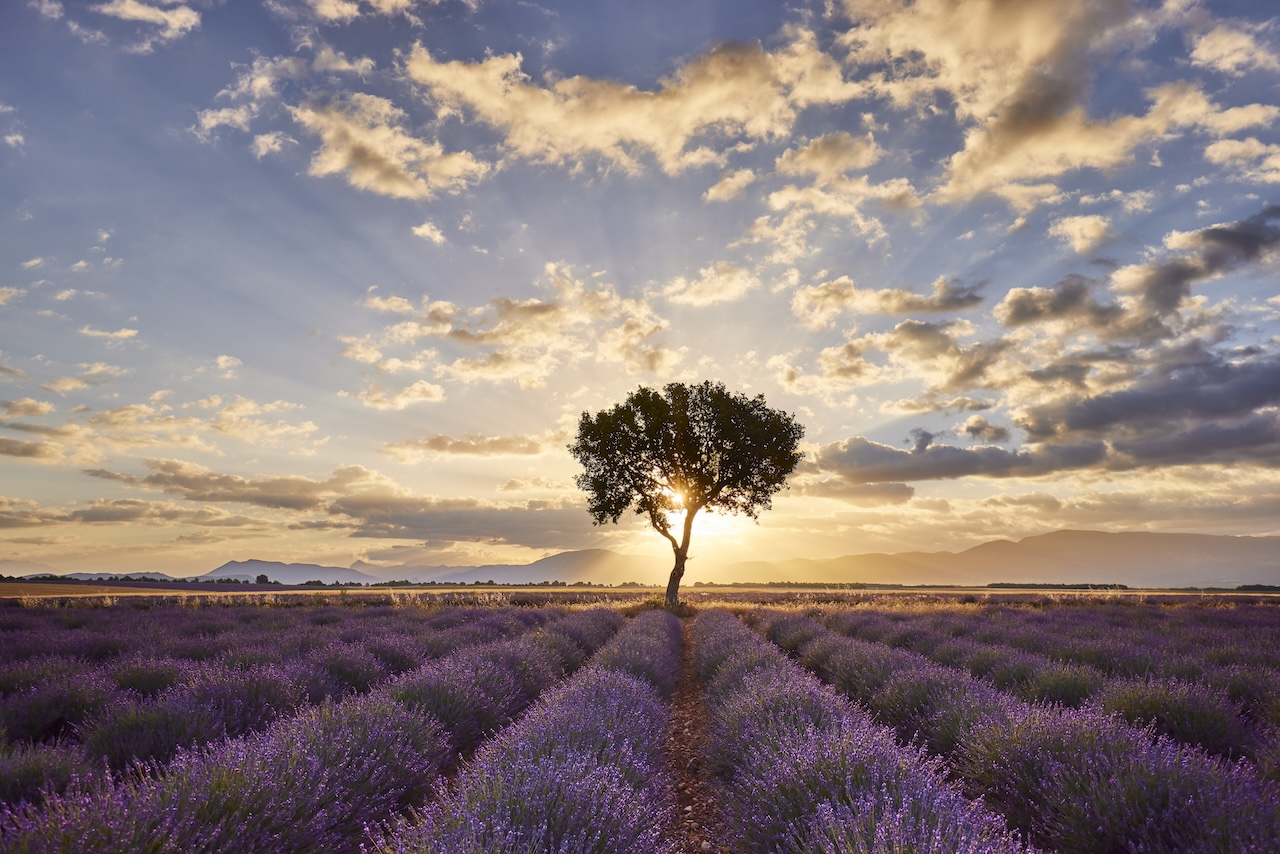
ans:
(700, 829)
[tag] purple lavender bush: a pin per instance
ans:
(1082, 780)
(310, 784)
(802, 770)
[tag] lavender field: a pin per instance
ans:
(761, 723)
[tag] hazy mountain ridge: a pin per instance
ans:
(1138, 559)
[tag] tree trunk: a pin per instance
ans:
(673, 585)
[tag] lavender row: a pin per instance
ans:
(314, 781)
(1072, 779)
(803, 770)
(1232, 649)
(87, 719)
(51, 698)
(584, 771)
(1205, 712)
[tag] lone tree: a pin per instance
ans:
(678, 451)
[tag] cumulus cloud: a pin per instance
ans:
(171, 18)
(376, 397)
(430, 232)
(24, 408)
(829, 157)
(862, 461)
(1251, 159)
(721, 282)
(362, 138)
(413, 450)
(979, 428)
(817, 306)
(271, 143)
(117, 335)
(1083, 233)
(730, 186)
(523, 341)
(1233, 51)
(735, 92)
(7, 294)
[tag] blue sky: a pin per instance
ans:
(327, 280)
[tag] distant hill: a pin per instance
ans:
(1138, 559)
(288, 573)
(19, 568)
(592, 566)
(130, 576)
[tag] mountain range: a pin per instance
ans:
(1136, 559)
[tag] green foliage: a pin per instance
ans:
(717, 449)
(672, 453)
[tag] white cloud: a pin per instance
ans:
(376, 397)
(227, 365)
(1083, 233)
(271, 143)
(361, 138)
(430, 232)
(51, 9)
(721, 282)
(1232, 51)
(1252, 159)
(7, 294)
(118, 335)
(734, 92)
(33, 264)
(14, 140)
(173, 23)
(831, 156)
(25, 408)
(730, 186)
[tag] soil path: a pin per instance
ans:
(700, 828)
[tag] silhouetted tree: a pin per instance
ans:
(678, 451)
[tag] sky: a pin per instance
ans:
(334, 280)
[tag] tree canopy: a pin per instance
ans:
(688, 447)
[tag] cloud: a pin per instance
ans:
(1135, 201)
(721, 282)
(362, 138)
(977, 427)
(7, 294)
(735, 92)
(33, 264)
(859, 494)
(227, 365)
(271, 143)
(862, 461)
(118, 335)
(194, 482)
(730, 186)
(817, 306)
(1253, 160)
(50, 9)
(413, 450)
(1069, 299)
(1083, 233)
(1163, 286)
(173, 23)
(376, 397)
(29, 450)
(1233, 51)
(829, 157)
(524, 340)
(24, 408)
(430, 232)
